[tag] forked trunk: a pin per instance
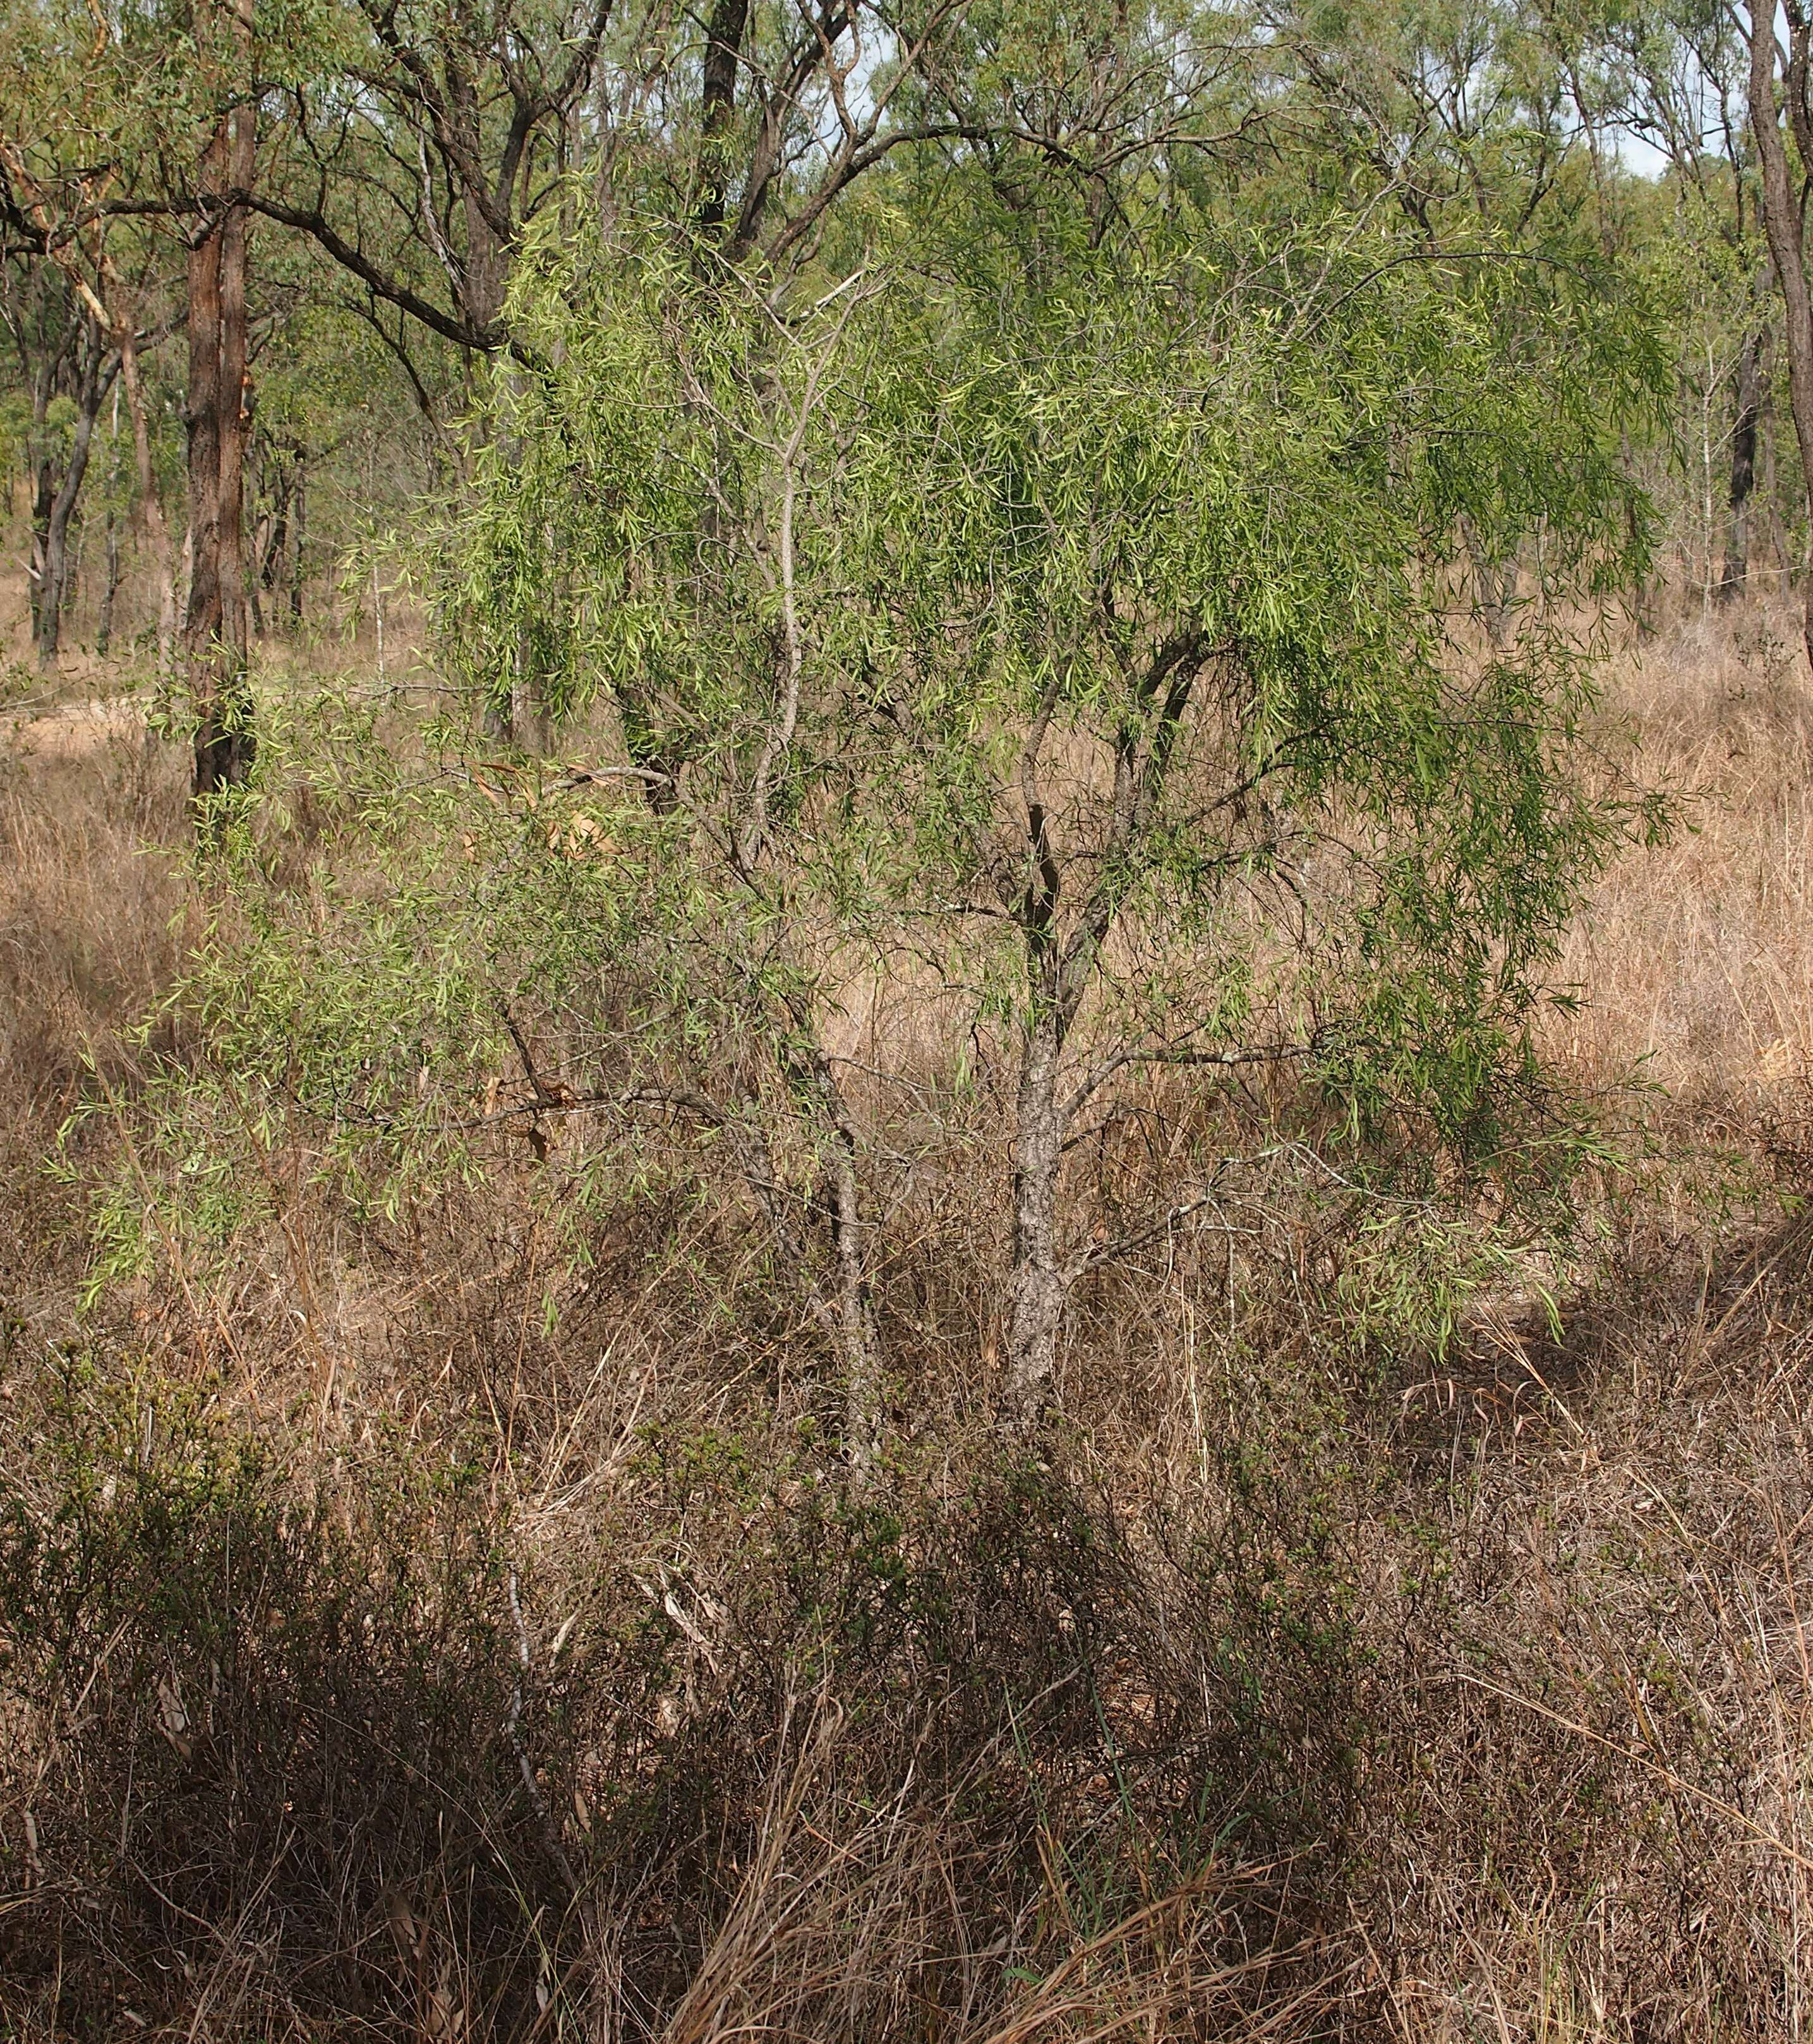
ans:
(1059, 971)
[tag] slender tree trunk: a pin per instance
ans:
(1494, 589)
(862, 1342)
(1036, 1303)
(1766, 523)
(717, 103)
(300, 500)
(858, 1341)
(103, 631)
(522, 722)
(256, 544)
(1735, 571)
(1783, 228)
(215, 631)
(203, 631)
(275, 544)
(1059, 972)
(846, 1318)
(54, 578)
(150, 505)
(43, 496)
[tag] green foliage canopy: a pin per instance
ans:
(1180, 533)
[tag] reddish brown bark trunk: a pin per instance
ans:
(219, 414)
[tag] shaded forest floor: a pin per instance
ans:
(399, 1638)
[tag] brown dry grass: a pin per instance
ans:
(406, 1637)
(1698, 956)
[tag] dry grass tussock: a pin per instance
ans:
(407, 1631)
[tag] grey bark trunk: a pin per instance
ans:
(1059, 971)
(526, 722)
(1036, 1299)
(848, 1317)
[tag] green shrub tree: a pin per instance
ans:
(1096, 645)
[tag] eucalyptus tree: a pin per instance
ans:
(68, 368)
(418, 141)
(216, 626)
(150, 113)
(1674, 74)
(1783, 210)
(94, 368)
(429, 138)
(1462, 115)
(1481, 123)
(102, 264)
